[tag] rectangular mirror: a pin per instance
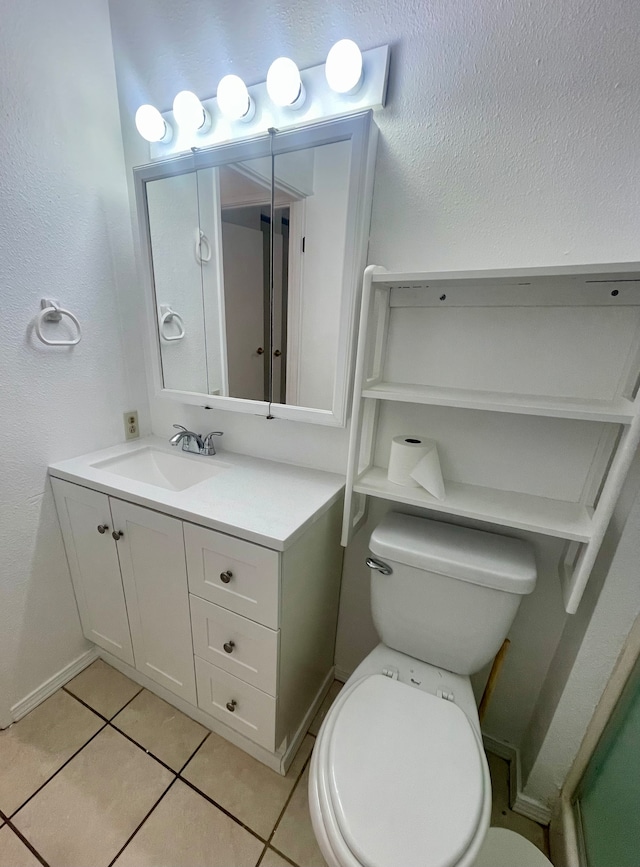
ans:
(255, 253)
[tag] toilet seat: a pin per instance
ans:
(398, 776)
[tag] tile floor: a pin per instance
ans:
(105, 773)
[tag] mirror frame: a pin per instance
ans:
(362, 132)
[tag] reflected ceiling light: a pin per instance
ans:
(190, 114)
(344, 67)
(284, 85)
(233, 99)
(151, 125)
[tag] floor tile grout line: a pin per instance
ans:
(111, 722)
(130, 838)
(287, 802)
(107, 718)
(265, 849)
(193, 754)
(147, 752)
(235, 818)
(129, 702)
(282, 855)
(27, 843)
(84, 704)
(221, 808)
(55, 773)
(144, 749)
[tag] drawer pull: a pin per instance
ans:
(225, 577)
(231, 705)
(228, 646)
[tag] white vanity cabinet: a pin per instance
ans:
(131, 591)
(236, 634)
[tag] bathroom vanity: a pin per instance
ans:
(212, 581)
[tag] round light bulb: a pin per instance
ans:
(344, 67)
(151, 125)
(284, 85)
(189, 113)
(233, 99)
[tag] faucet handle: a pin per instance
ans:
(213, 433)
(180, 427)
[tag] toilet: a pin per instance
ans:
(398, 773)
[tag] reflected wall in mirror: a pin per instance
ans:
(254, 264)
(307, 300)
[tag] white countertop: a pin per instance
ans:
(262, 501)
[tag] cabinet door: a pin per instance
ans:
(93, 563)
(154, 573)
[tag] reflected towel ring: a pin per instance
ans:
(169, 315)
(52, 312)
(202, 240)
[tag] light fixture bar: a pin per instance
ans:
(321, 104)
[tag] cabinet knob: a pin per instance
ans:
(228, 646)
(102, 528)
(225, 577)
(231, 705)
(259, 351)
(277, 353)
(117, 534)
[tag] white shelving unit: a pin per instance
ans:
(556, 343)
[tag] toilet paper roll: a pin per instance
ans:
(406, 453)
(428, 474)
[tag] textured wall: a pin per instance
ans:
(510, 139)
(64, 233)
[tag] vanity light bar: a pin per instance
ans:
(316, 101)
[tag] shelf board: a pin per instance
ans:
(509, 509)
(614, 272)
(620, 410)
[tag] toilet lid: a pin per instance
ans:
(405, 776)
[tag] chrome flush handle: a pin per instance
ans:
(379, 566)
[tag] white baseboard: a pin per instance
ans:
(500, 748)
(532, 809)
(520, 803)
(342, 674)
(29, 702)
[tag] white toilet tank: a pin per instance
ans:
(452, 593)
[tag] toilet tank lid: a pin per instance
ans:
(475, 556)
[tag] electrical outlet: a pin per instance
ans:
(131, 430)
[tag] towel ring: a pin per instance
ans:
(169, 315)
(202, 240)
(52, 312)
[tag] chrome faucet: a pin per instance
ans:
(193, 442)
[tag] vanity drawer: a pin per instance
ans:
(254, 712)
(251, 649)
(234, 574)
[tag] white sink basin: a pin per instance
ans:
(164, 470)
